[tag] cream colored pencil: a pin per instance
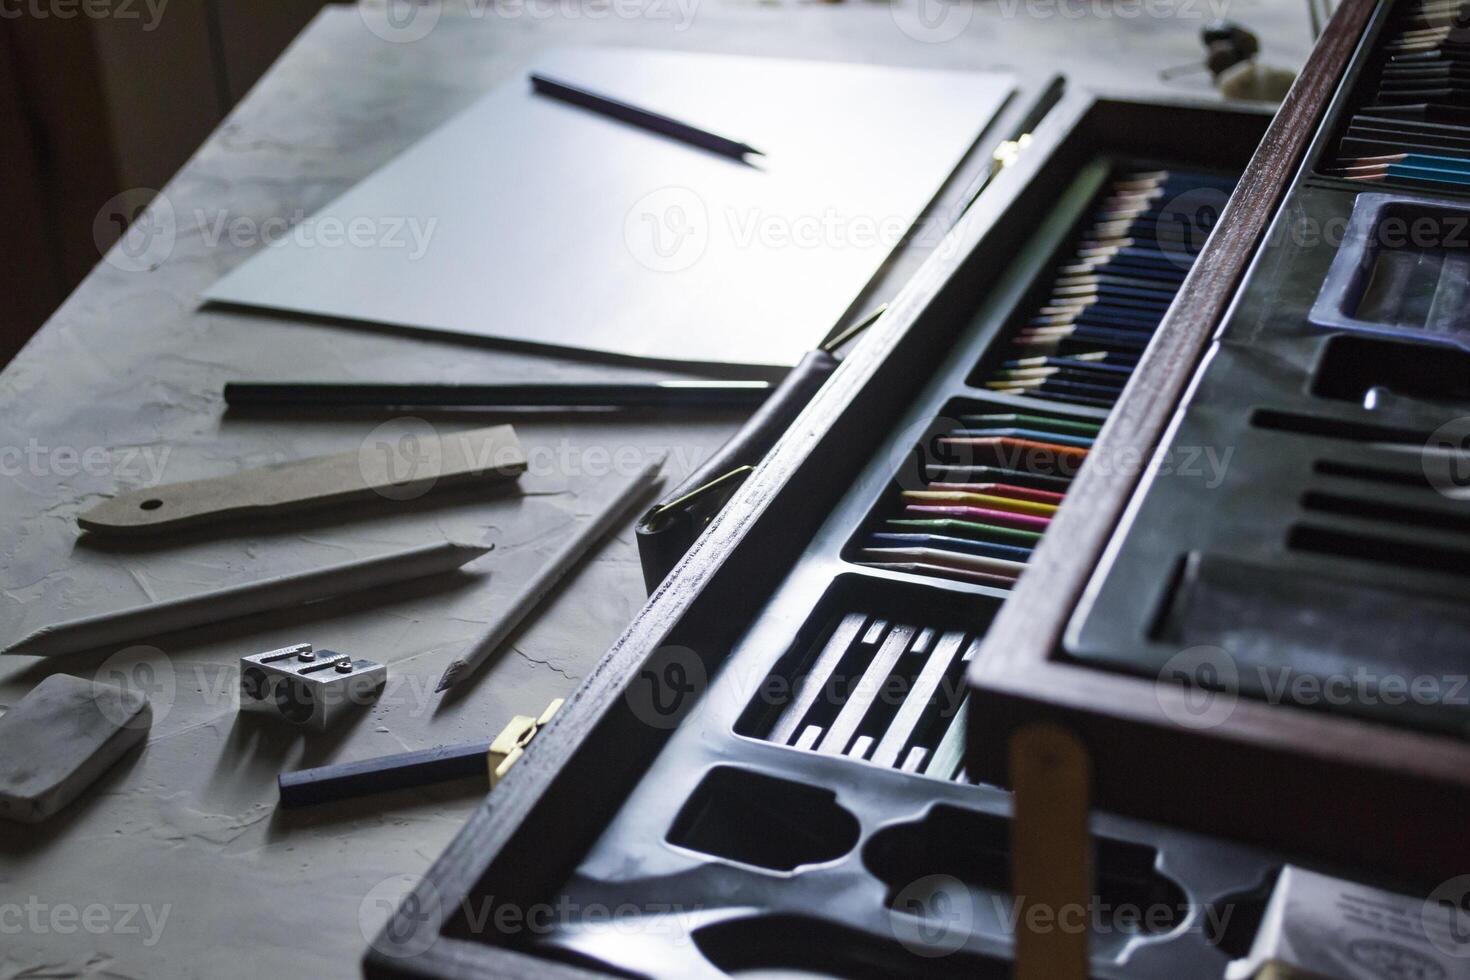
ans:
(282, 592)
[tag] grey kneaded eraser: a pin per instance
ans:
(61, 736)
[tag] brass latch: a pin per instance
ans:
(511, 743)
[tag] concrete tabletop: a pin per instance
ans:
(178, 863)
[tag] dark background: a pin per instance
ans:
(94, 106)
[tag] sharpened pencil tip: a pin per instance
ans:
(26, 646)
(451, 676)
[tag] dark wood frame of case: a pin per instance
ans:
(560, 780)
(1328, 786)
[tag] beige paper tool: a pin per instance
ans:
(396, 470)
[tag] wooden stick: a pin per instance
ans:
(490, 454)
(1051, 850)
(281, 592)
(530, 596)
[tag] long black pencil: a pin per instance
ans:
(652, 394)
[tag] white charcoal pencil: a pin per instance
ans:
(282, 592)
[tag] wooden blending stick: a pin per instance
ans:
(1052, 858)
(373, 472)
(282, 592)
(624, 495)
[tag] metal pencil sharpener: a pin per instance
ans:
(308, 688)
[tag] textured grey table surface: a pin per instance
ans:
(177, 864)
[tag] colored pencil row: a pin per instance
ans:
(1109, 294)
(1413, 124)
(982, 505)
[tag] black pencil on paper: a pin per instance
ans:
(643, 118)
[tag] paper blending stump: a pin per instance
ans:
(533, 221)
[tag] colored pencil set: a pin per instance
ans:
(1414, 124)
(1111, 290)
(982, 508)
(987, 490)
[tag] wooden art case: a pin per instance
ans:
(680, 818)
